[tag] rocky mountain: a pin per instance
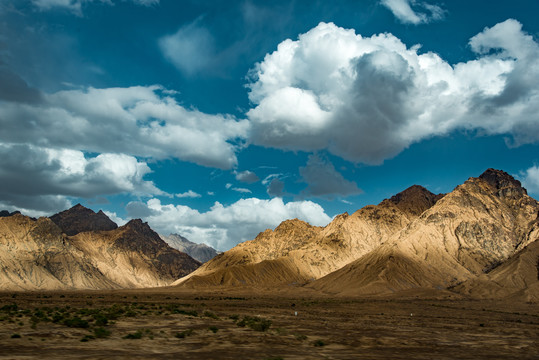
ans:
(469, 232)
(38, 254)
(296, 252)
(480, 240)
(199, 252)
(5, 213)
(79, 219)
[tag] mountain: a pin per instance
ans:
(79, 219)
(38, 254)
(5, 213)
(296, 252)
(469, 232)
(199, 252)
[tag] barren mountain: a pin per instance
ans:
(36, 254)
(199, 252)
(79, 219)
(467, 233)
(296, 252)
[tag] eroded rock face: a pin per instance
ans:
(80, 219)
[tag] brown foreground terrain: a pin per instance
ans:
(167, 323)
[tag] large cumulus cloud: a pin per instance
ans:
(366, 99)
(225, 226)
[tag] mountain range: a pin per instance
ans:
(479, 240)
(80, 249)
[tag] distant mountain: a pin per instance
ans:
(480, 240)
(38, 254)
(199, 252)
(296, 252)
(5, 213)
(79, 219)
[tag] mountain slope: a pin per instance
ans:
(306, 252)
(471, 230)
(199, 252)
(37, 254)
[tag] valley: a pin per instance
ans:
(167, 323)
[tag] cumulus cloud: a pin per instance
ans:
(366, 99)
(225, 226)
(246, 176)
(188, 194)
(413, 11)
(42, 179)
(530, 179)
(191, 49)
(324, 180)
(139, 121)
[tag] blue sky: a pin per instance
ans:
(219, 119)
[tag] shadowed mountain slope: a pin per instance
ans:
(467, 233)
(79, 219)
(296, 252)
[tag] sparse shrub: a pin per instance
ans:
(136, 335)
(184, 334)
(16, 336)
(100, 320)
(87, 338)
(319, 343)
(254, 322)
(234, 317)
(300, 337)
(101, 333)
(76, 322)
(214, 329)
(211, 315)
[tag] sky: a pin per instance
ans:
(219, 119)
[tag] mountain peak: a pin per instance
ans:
(414, 200)
(80, 219)
(504, 184)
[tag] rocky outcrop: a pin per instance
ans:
(199, 252)
(79, 219)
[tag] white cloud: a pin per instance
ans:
(246, 176)
(324, 180)
(225, 226)
(75, 6)
(139, 121)
(191, 49)
(408, 11)
(366, 99)
(28, 172)
(241, 190)
(530, 179)
(40, 181)
(188, 194)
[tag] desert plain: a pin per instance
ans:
(259, 324)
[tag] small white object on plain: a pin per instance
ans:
(295, 313)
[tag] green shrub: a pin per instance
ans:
(254, 322)
(76, 322)
(101, 333)
(319, 343)
(16, 336)
(214, 329)
(184, 334)
(136, 335)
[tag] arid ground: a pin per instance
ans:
(211, 325)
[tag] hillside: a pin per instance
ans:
(296, 252)
(199, 252)
(469, 232)
(38, 254)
